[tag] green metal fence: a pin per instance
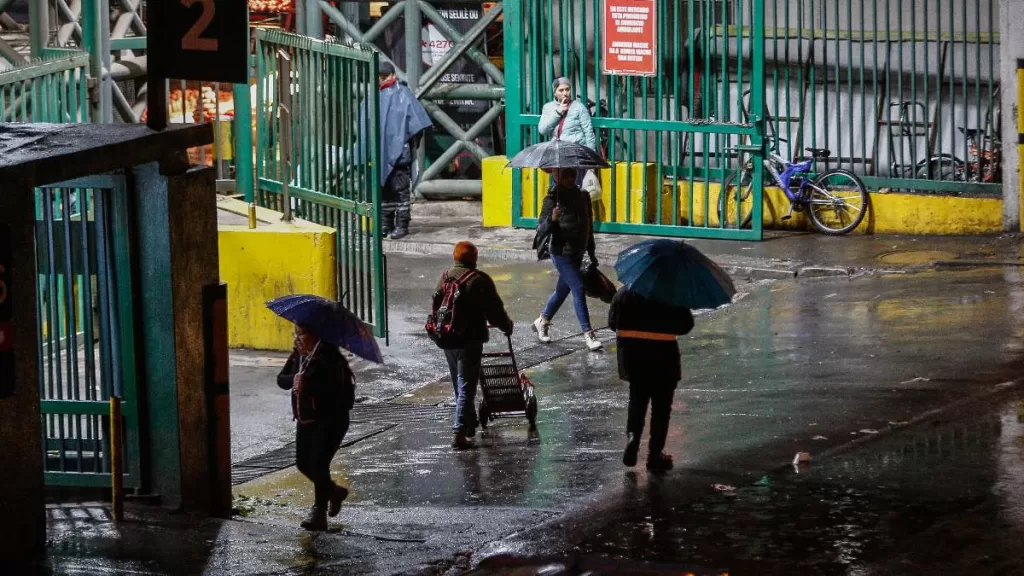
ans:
(49, 90)
(324, 115)
(671, 138)
(86, 328)
(904, 93)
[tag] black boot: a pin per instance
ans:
(317, 519)
(399, 233)
(339, 496)
(632, 449)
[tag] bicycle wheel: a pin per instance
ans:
(737, 199)
(941, 168)
(837, 201)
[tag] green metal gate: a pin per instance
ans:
(672, 138)
(332, 177)
(49, 90)
(86, 327)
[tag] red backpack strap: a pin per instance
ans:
(466, 277)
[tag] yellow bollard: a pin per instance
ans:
(252, 216)
(116, 480)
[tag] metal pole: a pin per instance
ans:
(116, 479)
(314, 19)
(39, 26)
(284, 81)
(156, 87)
(414, 66)
(106, 83)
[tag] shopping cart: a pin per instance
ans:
(506, 392)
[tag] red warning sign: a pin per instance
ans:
(630, 37)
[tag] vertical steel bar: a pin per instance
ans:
(53, 326)
(991, 73)
(284, 105)
(849, 81)
(89, 349)
(952, 79)
(104, 274)
(71, 337)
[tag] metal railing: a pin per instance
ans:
(48, 90)
(669, 136)
(317, 143)
(85, 328)
(905, 93)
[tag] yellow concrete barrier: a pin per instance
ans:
(273, 260)
(890, 213)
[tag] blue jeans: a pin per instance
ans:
(464, 365)
(570, 280)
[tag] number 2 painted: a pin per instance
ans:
(192, 39)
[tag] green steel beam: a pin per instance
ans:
(466, 92)
(463, 46)
(134, 43)
(95, 408)
(309, 195)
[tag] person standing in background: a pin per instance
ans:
(402, 123)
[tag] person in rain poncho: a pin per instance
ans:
(402, 122)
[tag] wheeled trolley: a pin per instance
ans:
(505, 392)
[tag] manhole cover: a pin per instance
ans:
(909, 257)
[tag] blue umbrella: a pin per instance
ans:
(674, 273)
(330, 321)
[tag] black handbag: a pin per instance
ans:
(596, 284)
(542, 244)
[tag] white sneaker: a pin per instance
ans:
(593, 344)
(540, 326)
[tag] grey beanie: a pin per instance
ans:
(559, 82)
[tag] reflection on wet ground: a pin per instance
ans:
(806, 366)
(851, 514)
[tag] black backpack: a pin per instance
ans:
(445, 325)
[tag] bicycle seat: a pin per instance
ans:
(819, 153)
(970, 132)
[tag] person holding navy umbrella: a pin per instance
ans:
(322, 389)
(662, 281)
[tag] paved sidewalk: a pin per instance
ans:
(780, 255)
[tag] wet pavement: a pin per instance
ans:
(895, 384)
(780, 255)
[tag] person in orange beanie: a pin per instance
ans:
(465, 301)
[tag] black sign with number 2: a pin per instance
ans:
(200, 40)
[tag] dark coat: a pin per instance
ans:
(573, 234)
(648, 360)
(482, 304)
(329, 384)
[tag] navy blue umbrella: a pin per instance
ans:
(330, 321)
(674, 273)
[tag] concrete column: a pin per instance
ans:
(1011, 49)
(176, 219)
(22, 499)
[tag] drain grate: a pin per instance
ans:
(399, 413)
(366, 421)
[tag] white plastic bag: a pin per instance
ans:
(592, 185)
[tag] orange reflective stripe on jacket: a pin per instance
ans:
(641, 335)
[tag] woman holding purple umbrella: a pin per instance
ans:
(323, 392)
(323, 389)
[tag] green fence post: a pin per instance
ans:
(514, 95)
(244, 165)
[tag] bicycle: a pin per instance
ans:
(833, 191)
